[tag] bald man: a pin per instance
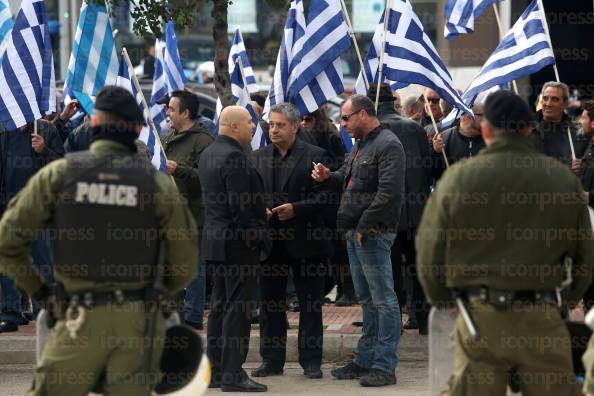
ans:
(232, 242)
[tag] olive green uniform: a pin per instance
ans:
(111, 337)
(505, 220)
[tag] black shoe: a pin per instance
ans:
(23, 321)
(377, 377)
(29, 315)
(194, 325)
(215, 380)
(350, 371)
(293, 304)
(266, 370)
(8, 327)
(345, 300)
(411, 324)
(313, 372)
(246, 385)
(357, 323)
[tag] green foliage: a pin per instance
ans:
(149, 15)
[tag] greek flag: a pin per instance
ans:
(27, 80)
(6, 24)
(410, 57)
(371, 63)
(168, 77)
(127, 80)
(524, 50)
(93, 61)
(176, 79)
(160, 88)
(308, 68)
(237, 52)
(461, 14)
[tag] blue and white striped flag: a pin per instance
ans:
(149, 135)
(410, 57)
(93, 61)
(308, 69)
(6, 24)
(160, 88)
(237, 51)
(176, 79)
(371, 63)
(27, 80)
(524, 50)
(460, 16)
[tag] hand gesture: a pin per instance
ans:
(69, 111)
(438, 143)
(171, 166)
(320, 173)
(38, 143)
(284, 211)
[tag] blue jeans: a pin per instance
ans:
(371, 269)
(195, 297)
(10, 301)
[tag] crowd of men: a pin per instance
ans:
(453, 210)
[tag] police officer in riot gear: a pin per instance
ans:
(110, 213)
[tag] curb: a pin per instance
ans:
(337, 348)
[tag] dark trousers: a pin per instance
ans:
(308, 275)
(229, 319)
(404, 261)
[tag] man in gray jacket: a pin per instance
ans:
(372, 179)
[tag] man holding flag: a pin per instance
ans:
(183, 147)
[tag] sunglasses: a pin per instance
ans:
(433, 100)
(307, 118)
(345, 118)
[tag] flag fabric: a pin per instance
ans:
(371, 63)
(410, 56)
(27, 80)
(461, 14)
(238, 51)
(308, 68)
(6, 24)
(240, 88)
(93, 61)
(176, 79)
(524, 50)
(160, 88)
(148, 135)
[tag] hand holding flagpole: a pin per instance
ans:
(428, 110)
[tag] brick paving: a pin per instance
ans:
(337, 320)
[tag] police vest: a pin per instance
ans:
(105, 223)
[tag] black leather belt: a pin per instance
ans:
(505, 298)
(90, 299)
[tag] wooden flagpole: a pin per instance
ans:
(501, 34)
(548, 34)
(382, 52)
(139, 89)
(428, 110)
(352, 35)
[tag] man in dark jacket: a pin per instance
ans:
(183, 147)
(299, 243)
(22, 154)
(550, 134)
(416, 189)
(373, 182)
(461, 141)
(232, 242)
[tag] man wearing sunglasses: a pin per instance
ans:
(372, 179)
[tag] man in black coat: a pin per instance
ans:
(416, 191)
(232, 242)
(299, 244)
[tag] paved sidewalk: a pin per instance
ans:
(340, 339)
